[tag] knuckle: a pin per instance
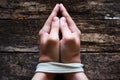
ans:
(69, 39)
(53, 40)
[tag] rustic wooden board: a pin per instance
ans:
(83, 9)
(98, 20)
(97, 35)
(21, 66)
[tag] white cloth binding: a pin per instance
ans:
(55, 67)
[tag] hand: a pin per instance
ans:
(50, 42)
(49, 38)
(70, 42)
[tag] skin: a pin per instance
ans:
(49, 43)
(70, 42)
(43, 76)
(49, 38)
(54, 49)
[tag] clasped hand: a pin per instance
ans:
(54, 49)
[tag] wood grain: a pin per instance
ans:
(97, 35)
(83, 9)
(98, 20)
(21, 66)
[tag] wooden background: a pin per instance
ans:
(99, 21)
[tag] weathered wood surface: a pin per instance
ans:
(83, 9)
(97, 35)
(21, 20)
(21, 66)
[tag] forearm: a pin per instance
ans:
(76, 76)
(81, 76)
(39, 76)
(43, 76)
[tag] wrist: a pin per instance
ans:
(72, 59)
(48, 58)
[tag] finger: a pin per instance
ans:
(55, 27)
(49, 20)
(64, 27)
(70, 22)
(66, 15)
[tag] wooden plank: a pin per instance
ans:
(97, 35)
(82, 9)
(21, 66)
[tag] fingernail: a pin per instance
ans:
(63, 19)
(55, 19)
